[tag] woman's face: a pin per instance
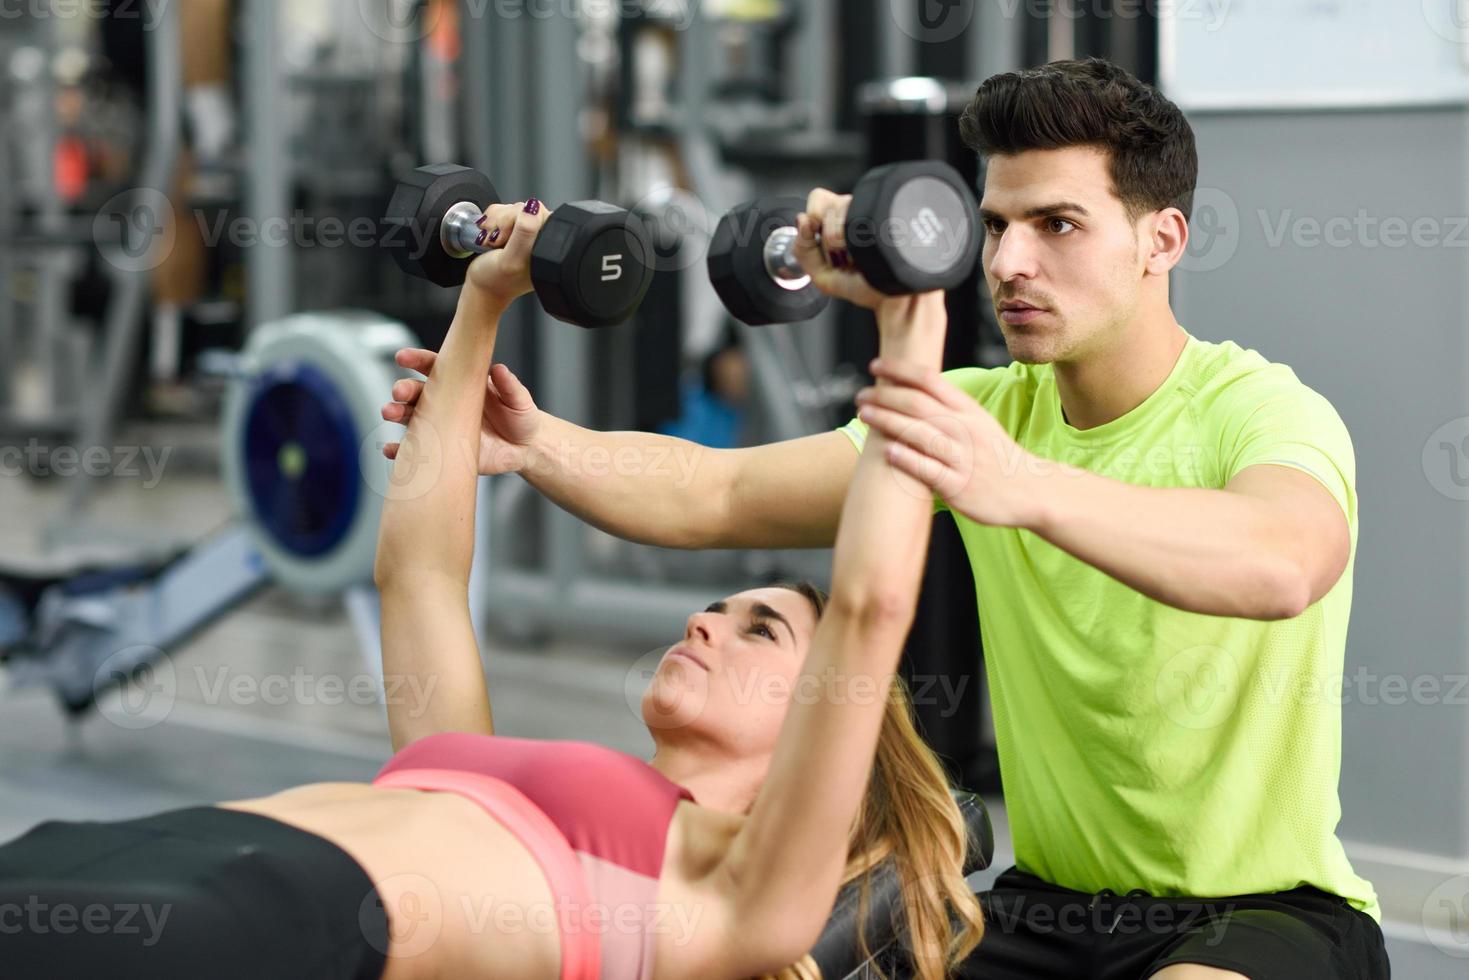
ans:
(730, 679)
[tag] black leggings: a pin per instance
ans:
(199, 892)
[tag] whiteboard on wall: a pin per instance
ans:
(1236, 54)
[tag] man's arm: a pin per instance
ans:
(664, 491)
(1269, 544)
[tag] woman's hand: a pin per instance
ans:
(821, 248)
(509, 230)
(510, 421)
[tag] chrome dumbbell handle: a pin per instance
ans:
(780, 260)
(458, 231)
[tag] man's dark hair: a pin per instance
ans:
(1091, 103)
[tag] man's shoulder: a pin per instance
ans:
(1240, 393)
(1228, 377)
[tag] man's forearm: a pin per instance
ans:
(1201, 550)
(428, 514)
(639, 486)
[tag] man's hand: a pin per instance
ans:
(945, 440)
(510, 421)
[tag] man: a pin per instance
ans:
(1162, 533)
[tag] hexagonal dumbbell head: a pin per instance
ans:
(415, 220)
(913, 227)
(591, 264)
(739, 271)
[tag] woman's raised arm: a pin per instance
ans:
(786, 863)
(426, 539)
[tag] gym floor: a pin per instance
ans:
(213, 745)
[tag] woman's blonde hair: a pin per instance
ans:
(909, 814)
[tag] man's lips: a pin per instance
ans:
(1018, 312)
(683, 652)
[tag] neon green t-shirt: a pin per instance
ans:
(1142, 746)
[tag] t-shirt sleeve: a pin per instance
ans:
(856, 431)
(1293, 425)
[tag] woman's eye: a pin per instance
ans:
(762, 628)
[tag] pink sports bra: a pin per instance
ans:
(595, 819)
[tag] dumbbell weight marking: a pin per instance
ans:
(590, 265)
(910, 228)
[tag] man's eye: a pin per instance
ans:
(994, 227)
(1054, 222)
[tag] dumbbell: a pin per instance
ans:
(591, 264)
(911, 227)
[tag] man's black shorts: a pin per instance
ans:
(1036, 929)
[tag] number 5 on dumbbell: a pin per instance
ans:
(591, 264)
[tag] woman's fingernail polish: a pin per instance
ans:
(840, 258)
(494, 235)
(480, 238)
(481, 222)
(533, 206)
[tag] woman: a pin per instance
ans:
(786, 763)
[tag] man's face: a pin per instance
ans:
(1063, 261)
